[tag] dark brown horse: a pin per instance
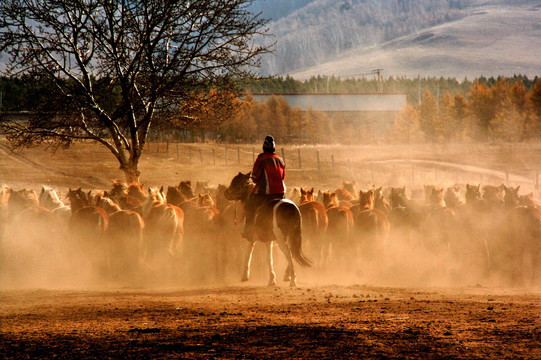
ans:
(87, 227)
(278, 220)
(339, 228)
(315, 222)
(515, 251)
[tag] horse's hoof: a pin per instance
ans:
(245, 278)
(293, 283)
(287, 278)
(271, 283)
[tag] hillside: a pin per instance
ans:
(466, 38)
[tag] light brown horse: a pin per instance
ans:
(371, 227)
(163, 235)
(276, 220)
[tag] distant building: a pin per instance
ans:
(366, 114)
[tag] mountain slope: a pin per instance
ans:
(426, 37)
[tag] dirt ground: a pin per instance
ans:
(258, 322)
(321, 318)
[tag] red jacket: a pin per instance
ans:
(268, 174)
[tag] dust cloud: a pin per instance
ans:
(487, 244)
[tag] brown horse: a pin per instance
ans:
(441, 225)
(371, 227)
(124, 236)
(315, 222)
(87, 227)
(163, 234)
(278, 220)
(339, 228)
(515, 250)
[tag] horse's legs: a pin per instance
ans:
(290, 272)
(272, 275)
(248, 261)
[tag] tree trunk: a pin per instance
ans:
(132, 174)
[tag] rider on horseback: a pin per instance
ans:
(268, 174)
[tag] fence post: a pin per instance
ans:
(201, 155)
(283, 155)
(332, 162)
(300, 162)
(318, 166)
(253, 154)
(226, 155)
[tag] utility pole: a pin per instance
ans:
(380, 80)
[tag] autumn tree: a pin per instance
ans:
(428, 117)
(406, 125)
(482, 106)
(114, 68)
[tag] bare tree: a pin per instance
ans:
(111, 68)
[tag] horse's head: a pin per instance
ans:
(49, 199)
(78, 199)
(306, 195)
(185, 188)
(174, 196)
(330, 199)
(205, 200)
(349, 186)
(511, 197)
(473, 193)
(436, 197)
(366, 199)
(240, 187)
(452, 196)
(22, 199)
(398, 197)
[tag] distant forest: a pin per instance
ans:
(437, 110)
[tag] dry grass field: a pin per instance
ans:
(329, 315)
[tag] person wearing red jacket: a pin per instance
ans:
(268, 174)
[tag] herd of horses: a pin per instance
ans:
(133, 234)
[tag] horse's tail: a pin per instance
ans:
(295, 245)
